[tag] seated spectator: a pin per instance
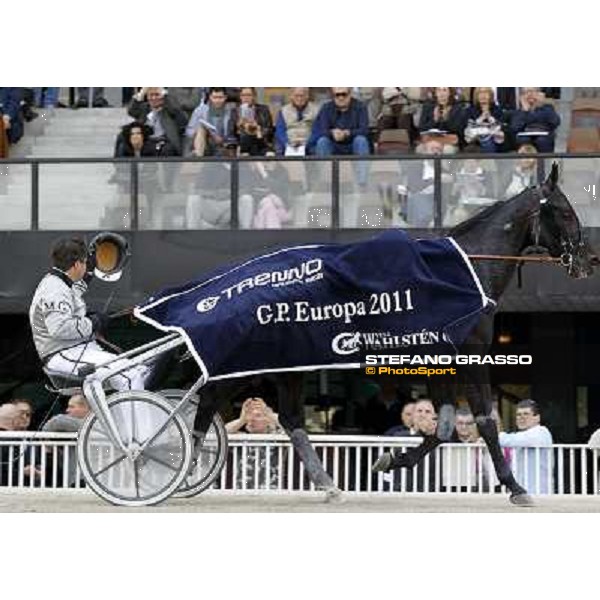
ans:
(187, 98)
(9, 421)
(524, 174)
(72, 420)
(134, 141)
(211, 128)
(254, 127)
(531, 449)
(264, 191)
(472, 190)
(465, 430)
(256, 417)
(420, 186)
(443, 118)
(294, 123)
(484, 122)
(210, 206)
(406, 416)
(10, 111)
(342, 128)
(25, 413)
(9, 417)
(535, 122)
(400, 107)
(424, 424)
(153, 107)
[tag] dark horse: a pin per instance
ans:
(538, 217)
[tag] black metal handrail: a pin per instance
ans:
(234, 184)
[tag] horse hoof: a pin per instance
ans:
(521, 500)
(383, 463)
(333, 495)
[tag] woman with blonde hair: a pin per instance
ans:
(484, 121)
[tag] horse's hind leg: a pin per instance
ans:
(291, 417)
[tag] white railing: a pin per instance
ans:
(269, 463)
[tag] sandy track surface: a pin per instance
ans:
(84, 501)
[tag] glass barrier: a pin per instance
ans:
(471, 185)
(579, 179)
(81, 196)
(279, 194)
(371, 194)
(15, 197)
(284, 195)
(187, 195)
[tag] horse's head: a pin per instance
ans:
(560, 231)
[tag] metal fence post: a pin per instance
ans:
(35, 196)
(437, 192)
(235, 190)
(135, 188)
(335, 194)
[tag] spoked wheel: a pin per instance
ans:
(144, 474)
(209, 454)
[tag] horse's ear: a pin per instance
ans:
(553, 177)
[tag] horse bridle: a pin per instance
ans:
(570, 247)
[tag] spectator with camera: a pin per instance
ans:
(484, 122)
(536, 121)
(400, 109)
(211, 128)
(294, 123)
(153, 107)
(254, 126)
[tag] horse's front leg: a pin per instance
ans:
(479, 396)
(406, 460)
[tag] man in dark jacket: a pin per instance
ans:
(341, 128)
(535, 116)
(153, 107)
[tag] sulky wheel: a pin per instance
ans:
(143, 475)
(210, 453)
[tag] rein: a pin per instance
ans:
(547, 259)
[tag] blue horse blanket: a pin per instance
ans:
(324, 306)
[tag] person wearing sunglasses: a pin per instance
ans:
(341, 128)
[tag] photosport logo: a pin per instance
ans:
(438, 364)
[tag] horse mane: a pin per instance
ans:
(484, 215)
